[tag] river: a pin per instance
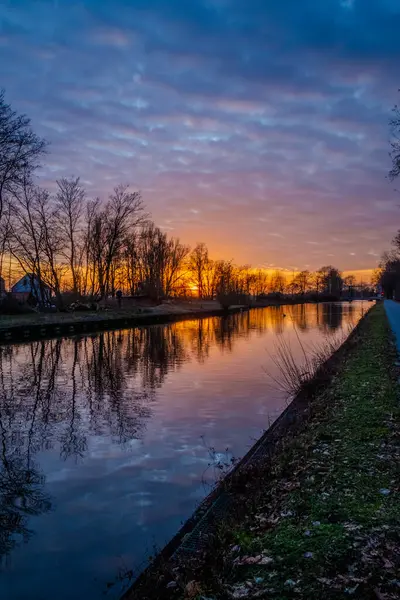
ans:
(108, 442)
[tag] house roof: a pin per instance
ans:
(28, 283)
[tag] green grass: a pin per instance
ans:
(345, 480)
(327, 510)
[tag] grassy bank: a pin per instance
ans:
(112, 312)
(321, 518)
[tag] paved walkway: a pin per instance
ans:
(393, 313)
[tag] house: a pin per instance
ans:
(29, 289)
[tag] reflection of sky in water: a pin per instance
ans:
(113, 430)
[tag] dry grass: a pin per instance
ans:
(293, 374)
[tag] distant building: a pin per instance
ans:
(2, 287)
(28, 289)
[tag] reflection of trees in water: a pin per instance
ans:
(228, 328)
(72, 438)
(115, 406)
(300, 315)
(21, 484)
(351, 313)
(161, 349)
(122, 371)
(199, 337)
(56, 393)
(326, 316)
(21, 496)
(329, 316)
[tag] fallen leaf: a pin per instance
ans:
(266, 560)
(240, 591)
(351, 590)
(171, 585)
(287, 513)
(387, 564)
(192, 589)
(251, 560)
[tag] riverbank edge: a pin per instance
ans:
(84, 323)
(195, 532)
(31, 331)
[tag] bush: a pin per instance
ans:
(10, 306)
(279, 296)
(231, 299)
(83, 306)
(325, 297)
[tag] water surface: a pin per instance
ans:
(105, 439)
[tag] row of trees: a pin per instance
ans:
(90, 247)
(65, 240)
(93, 248)
(212, 277)
(388, 273)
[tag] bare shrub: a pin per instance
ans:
(294, 373)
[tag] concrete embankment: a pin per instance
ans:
(312, 511)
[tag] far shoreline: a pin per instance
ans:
(34, 326)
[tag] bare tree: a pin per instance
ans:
(123, 213)
(317, 281)
(278, 282)
(53, 243)
(5, 232)
(301, 282)
(395, 143)
(176, 258)
(153, 257)
(70, 204)
(246, 279)
(95, 240)
(36, 240)
(198, 265)
(131, 260)
(108, 229)
(349, 282)
(225, 277)
(26, 239)
(331, 280)
(261, 282)
(90, 248)
(20, 150)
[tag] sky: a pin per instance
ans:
(259, 127)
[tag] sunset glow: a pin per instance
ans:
(273, 153)
(199, 298)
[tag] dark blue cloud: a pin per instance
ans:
(254, 120)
